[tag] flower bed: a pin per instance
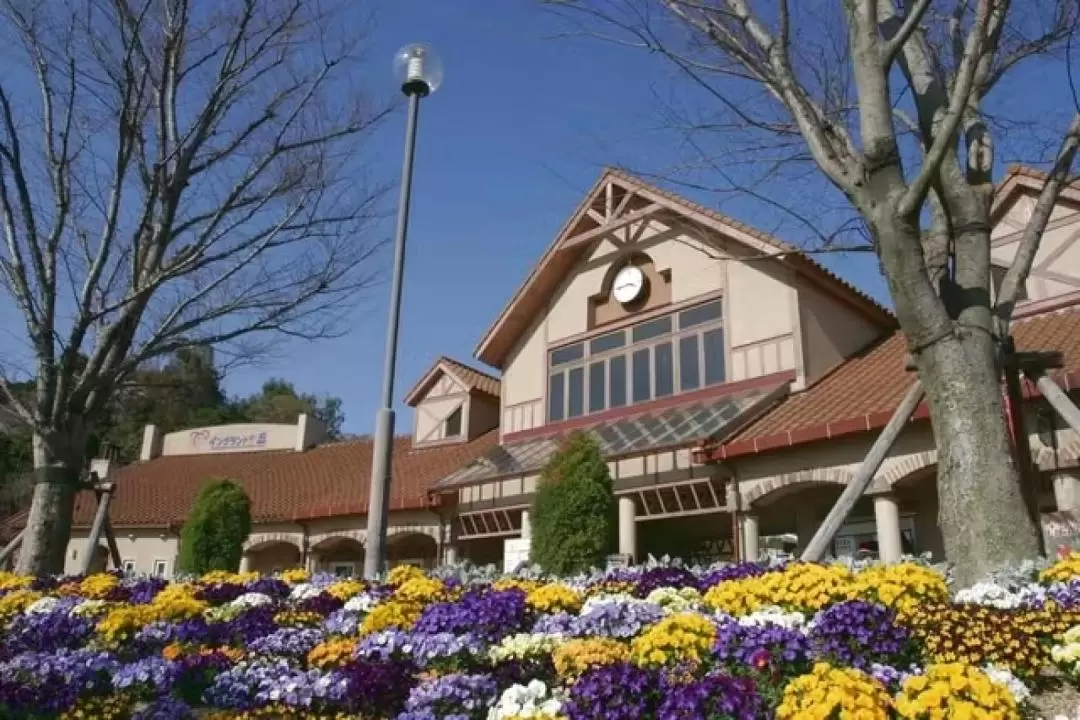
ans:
(793, 642)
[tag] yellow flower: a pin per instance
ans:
(295, 576)
(610, 587)
(954, 690)
(110, 707)
(124, 621)
(1063, 570)
(332, 653)
(553, 598)
(11, 581)
(221, 577)
(574, 657)
(526, 586)
(345, 589)
(391, 615)
(97, 586)
(177, 602)
(15, 602)
(830, 693)
(804, 587)
(298, 618)
(904, 586)
(420, 590)
(402, 574)
(679, 638)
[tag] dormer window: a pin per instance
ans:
(453, 424)
(997, 276)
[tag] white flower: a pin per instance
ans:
(774, 616)
(675, 601)
(1004, 677)
(991, 594)
(362, 603)
(534, 700)
(88, 608)
(525, 645)
(303, 591)
(251, 599)
(44, 606)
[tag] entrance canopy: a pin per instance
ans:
(663, 429)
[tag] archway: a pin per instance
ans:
(412, 548)
(341, 556)
(271, 556)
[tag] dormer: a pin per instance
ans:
(453, 403)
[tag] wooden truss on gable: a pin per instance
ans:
(615, 207)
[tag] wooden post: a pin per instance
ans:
(103, 493)
(114, 549)
(815, 550)
(10, 548)
(1021, 442)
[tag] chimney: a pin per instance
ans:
(151, 443)
(309, 432)
(102, 467)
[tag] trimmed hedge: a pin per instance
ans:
(574, 513)
(214, 534)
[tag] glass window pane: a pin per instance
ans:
(664, 368)
(568, 354)
(608, 342)
(617, 381)
(653, 328)
(714, 356)
(597, 386)
(641, 389)
(689, 366)
(701, 314)
(575, 400)
(556, 401)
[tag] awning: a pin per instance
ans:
(671, 427)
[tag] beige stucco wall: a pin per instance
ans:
(143, 546)
(482, 415)
(830, 331)
(1056, 269)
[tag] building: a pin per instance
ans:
(733, 383)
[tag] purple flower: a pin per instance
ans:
(143, 590)
(457, 695)
(713, 696)
(254, 684)
(489, 614)
(1065, 594)
(45, 632)
(614, 692)
(43, 683)
(323, 604)
(270, 586)
(342, 622)
(220, 593)
(166, 708)
(292, 642)
(560, 623)
(762, 647)
(735, 571)
(252, 623)
(859, 633)
(153, 674)
(616, 619)
(659, 577)
(377, 689)
(442, 650)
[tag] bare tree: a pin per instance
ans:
(173, 173)
(892, 110)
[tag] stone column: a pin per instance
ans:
(627, 527)
(1067, 490)
(750, 538)
(450, 555)
(245, 563)
(887, 519)
(526, 525)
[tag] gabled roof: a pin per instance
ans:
(862, 393)
(1019, 179)
(636, 199)
(284, 486)
(468, 377)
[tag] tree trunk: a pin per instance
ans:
(48, 528)
(983, 518)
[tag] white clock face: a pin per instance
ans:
(629, 282)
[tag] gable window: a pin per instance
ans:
(997, 276)
(453, 424)
(657, 358)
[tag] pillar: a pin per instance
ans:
(450, 555)
(627, 527)
(751, 550)
(1067, 490)
(526, 525)
(887, 519)
(245, 563)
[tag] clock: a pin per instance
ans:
(629, 284)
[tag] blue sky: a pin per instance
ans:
(507, 147)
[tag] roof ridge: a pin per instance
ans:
(467, 366)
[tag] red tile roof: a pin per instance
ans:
(862, 393)
(327, 480)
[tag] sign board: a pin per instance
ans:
(845, 546)
(515, 553)
(212, 441)
(618, 561)
(247, 437)
(1061, 532)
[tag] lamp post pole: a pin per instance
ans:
(416, 85)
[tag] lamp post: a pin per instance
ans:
(420, 73)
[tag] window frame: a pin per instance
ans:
(626, 349)
(459, 414)
(128, 565)
(164, 565)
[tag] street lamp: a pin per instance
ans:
(421, 74)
